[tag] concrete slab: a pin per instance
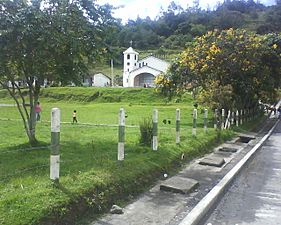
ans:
(245, 138)
(212, 161)
(250, 136)
(179, 185)
(228, 149)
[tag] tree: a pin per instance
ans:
(55, 40)
(235, 61)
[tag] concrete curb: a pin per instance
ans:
(201, 209)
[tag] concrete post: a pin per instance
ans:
(177, 126)
(237, 118)
(227, 125)
(222, 119)
(205, 120)
(55, 142)
(121, 135)
(216, 119)
(194, 122)
(232, 117)
(241, 116)
(155, 130)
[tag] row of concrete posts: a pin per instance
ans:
(221, 120)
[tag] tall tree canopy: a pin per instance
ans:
(230, 68)
(174, 26)
(47, 39)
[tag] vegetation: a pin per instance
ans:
(90, 178)
(63, 41)
(175, 27)
(47, 40)
(146, 132)
(230, 69)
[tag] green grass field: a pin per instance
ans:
(90, 176)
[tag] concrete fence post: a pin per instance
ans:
(222, 119)
(205, 120)
(216, 119)
(194, 122)
(227, 121)
(155, 130)
(232, 117)
(121, 135)
(237, 118)
(241, 116)
(177, 126)
(55, 145)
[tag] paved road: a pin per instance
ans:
(255, 195)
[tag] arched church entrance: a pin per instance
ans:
(144, 80)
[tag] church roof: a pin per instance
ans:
(154, 57)
(130, 51)
(144, 67)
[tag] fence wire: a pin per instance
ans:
(25, 149)
(22, 171)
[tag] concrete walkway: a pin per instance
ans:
(158, 207)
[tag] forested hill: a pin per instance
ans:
(176, 27)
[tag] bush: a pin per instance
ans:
(146, 131)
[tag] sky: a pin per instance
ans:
(143, 8)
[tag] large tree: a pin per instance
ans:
(55, 40)
(230, 68)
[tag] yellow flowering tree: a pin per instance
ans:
(228, 60)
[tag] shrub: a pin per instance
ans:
(146, 131)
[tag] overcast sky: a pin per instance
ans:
(151, 8)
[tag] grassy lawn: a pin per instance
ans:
(90, 176)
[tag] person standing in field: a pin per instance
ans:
(38, 111)
(74, 117)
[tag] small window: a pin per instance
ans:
(128, 64)
(146, 64)
(135, 57)
(135, 64)
(128, 70)
(128, 56)
(143, 63)
(139, 64)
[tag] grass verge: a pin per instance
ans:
(91, 178)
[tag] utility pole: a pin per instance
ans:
(112, 77)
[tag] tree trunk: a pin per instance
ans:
(28, 116)
(32, 126)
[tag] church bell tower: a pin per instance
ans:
(131, 58)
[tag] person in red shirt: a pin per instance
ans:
(38, 111)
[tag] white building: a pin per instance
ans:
(141, 73)
(100, 80)
(97, 80)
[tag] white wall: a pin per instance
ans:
(100, 80)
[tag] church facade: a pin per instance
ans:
(141, 73)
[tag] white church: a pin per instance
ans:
(141, 73)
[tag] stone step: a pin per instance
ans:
(212, 161)
(244, 138)
(179, 185)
